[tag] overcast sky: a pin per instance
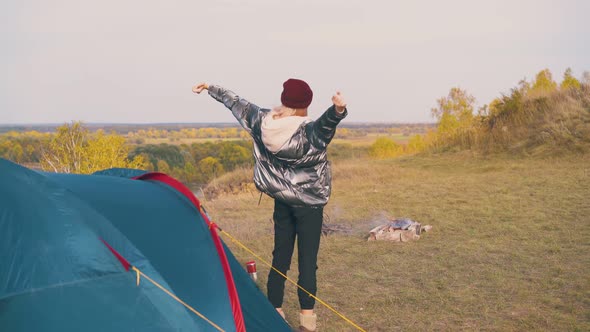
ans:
(135, 61)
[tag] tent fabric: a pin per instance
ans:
(231, 288)
(57, 275)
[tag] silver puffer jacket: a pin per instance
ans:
(299, 173)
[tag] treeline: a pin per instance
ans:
(139, 133)
(199, 163)
(196, 163)
(139, 137)
(143, 136)
(23, 147)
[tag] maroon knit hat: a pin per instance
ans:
(296, 94)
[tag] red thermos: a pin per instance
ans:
(251, 268)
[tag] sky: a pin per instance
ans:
(131, 61)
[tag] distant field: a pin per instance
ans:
(509, 251)
(354, 141)
(185, 140)
(370, 139)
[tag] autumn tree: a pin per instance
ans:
(232, 155)
(544, 82)
(65, 151)
(108, 151)
(22, 147)
(459, 104)
(163, 167)
(12, 150)
(569, 81)
(74, 150)
(416, 143)
(170, 153)
(454, 111)
(190, 172)
(210, 167)
(384, 148)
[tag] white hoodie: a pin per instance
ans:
(277, 132)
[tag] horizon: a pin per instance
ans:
(132, 127)
(233, 124)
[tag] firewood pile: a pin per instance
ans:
(398, 230)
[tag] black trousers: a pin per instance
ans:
(305, 225)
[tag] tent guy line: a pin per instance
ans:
(127, 266)
(265, 262)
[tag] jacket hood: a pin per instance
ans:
(276, 131)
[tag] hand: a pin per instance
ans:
(200, 87)
(338, 101)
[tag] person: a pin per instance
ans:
(291, 166)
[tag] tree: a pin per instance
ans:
(74, 150)
(170, 153)
(448, 124)
(569, 81)
(544, 82)
(66, 150)
(232, 155)
(416, 143)
(454, 111)
(210, 167)
(30, 153)
(190, 172)
(459, 104)
(163, 167)
(17, 153)
(385, 148)
(523, 87)
(108, 151)
(200, 151)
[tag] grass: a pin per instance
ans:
(509, 250)
(369, 139)
(174, 141)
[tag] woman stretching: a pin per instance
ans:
(291, 166)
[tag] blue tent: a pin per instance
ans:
(57, 272)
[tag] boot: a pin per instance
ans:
(307, 323)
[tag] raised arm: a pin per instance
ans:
(324, 128)
(247, 114)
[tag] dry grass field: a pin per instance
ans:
(509, 251)
(354, 141)
(370, 139)
(169, 140)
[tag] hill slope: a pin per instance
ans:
(509, 249)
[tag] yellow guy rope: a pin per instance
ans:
(138, 272)
(234, 240)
